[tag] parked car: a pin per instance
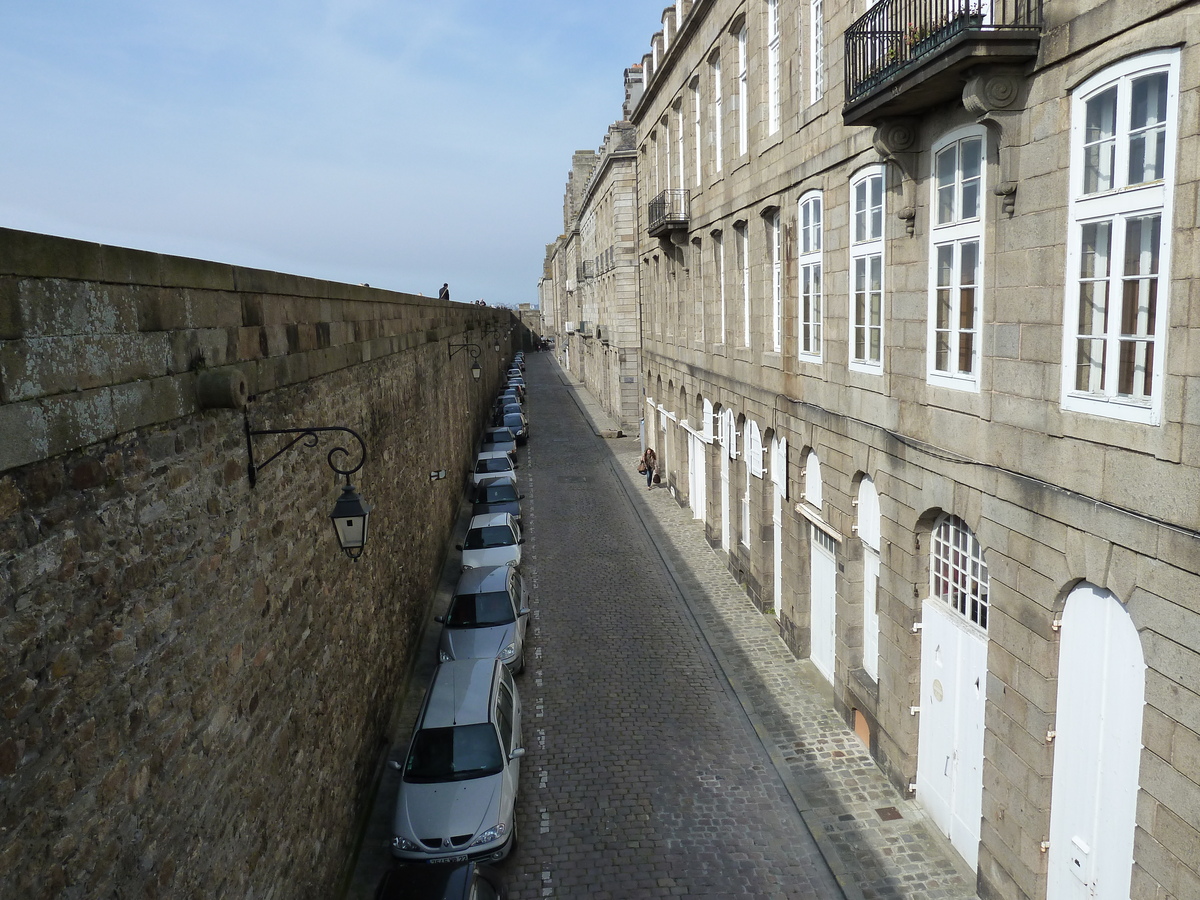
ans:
(487, 618)
(499, 439)
(518, 425)
(459, 782)
(467, 881)
(491, 463)
(493, 539)
(509, 395)
(498, 495)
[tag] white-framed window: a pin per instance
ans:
(1123, 135)
(813, 491)
(718, 245)
(666, 151)
(816, 51)
(773, 77)
(718, 121)
(956, 260)
(808, 264)
(866, 270)
(743, 93)
(696, 130)
(698, 287)
(869, 532)
(742, 249)
(958, 574)
(775, 248)
(680, 144)
(747, 459)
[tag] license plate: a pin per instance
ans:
(450, 859)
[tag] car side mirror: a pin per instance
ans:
(441, 620)
(458, 546)
(520, 496)
(517, 753)
(524, 611)
(394, 765)
(521, 541)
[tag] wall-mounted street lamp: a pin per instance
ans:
(438, 475)
(473, 349)
(350, 513)
(493, 331)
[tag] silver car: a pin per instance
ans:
(459, 784)
(487, 618)
(493, 539)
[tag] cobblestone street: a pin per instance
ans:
(675, 746)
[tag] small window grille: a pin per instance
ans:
(959, 575)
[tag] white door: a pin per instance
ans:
(697, 479)
(950, 738)
(1097, 749)
(777, 533)
(822, 599)
(724, 499)
(870, 640)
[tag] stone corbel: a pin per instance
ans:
(996, 97)
(896, 141)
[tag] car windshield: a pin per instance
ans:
(480, 610)
(498, 464)
(454, 754)
(497, 493)
(513, 419)
(490, 536)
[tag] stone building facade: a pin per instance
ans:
(592, 271)
(916, 323)
(197, 686)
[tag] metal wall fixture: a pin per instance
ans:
(350, 514)
(473, 349)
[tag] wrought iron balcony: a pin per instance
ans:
(670, 211)
(905, 56)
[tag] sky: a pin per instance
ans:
(398, 143)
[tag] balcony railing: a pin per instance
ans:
(897, 36)
(670, 211)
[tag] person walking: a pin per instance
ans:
(647, 465)
(444, 293)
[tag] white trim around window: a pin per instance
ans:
(866, 270)
(775, 249)
(955, 294)
(1124, 125)
(809, 267)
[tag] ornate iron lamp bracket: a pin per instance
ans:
(310, 437)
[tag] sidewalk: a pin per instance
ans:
(877, 843)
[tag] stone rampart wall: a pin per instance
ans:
(195, 683)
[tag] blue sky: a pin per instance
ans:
(394, 142)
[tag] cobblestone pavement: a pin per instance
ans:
(675, 746)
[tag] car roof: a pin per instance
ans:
(491, 454)
(485, 520)
(487, 578)
(461, 693)
(509, 477)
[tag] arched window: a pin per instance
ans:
(957, 573)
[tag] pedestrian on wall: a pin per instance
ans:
(647, 466)
(444, 293)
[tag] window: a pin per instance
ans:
(773, 101)
(719, 274)
(743, 263)
(809, 265)
(680, 144)
(816, 54)
(1123, 134)
(696, 129)
(718, 122)
(698, 287)
(866, 270)
(743, 93)
(955, 261)
(773, 244)
(669, 181)
(957, 573)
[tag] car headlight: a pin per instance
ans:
(507, 653)
(492, 834)
(399, 843)
(444, 656)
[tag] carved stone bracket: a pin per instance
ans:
(996, 97)
(896, 141)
